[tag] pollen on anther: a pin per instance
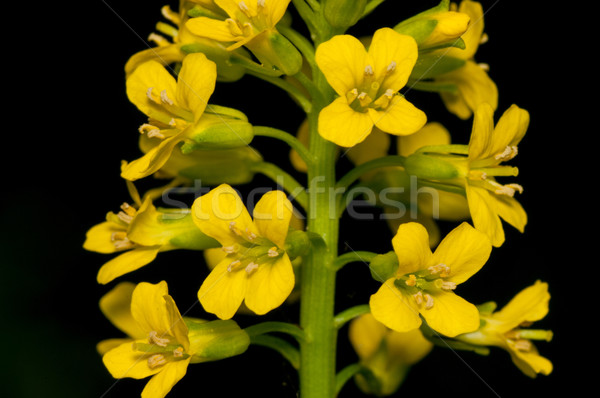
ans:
(251, 267)
(391, 67)
(260, 3)
(523, 345)
(232, 265)
(273, 252)
(178, 352)
(165, 98)
(418, 297)
(447, 285)
(159, 341)
(229, 249)
(156, 360)
(243, 6)
(369, 70)
(411, 281)
(428, 301)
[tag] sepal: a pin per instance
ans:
(384, 266)
(214, 340)
(343, 13)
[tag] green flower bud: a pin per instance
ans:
(384, 266)
(297, 244)
(343, 13)
(218, 131)
(430, 167)
(285, 56)
(214, 340)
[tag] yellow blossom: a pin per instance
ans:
(164, 353)
(367, 83)
(424, 282)
(138, 233)
(257, 269)
(509, 329)
(176, 112)
(386, 353)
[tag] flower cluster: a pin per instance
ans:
(355, 92)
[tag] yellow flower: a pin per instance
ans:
(256, 270)
(386, 353)
(367, 83)
(139, 235)
(472, 82)
(474, 168)
(164, 353)
(508, 329)
(424, 282)
(175, 110)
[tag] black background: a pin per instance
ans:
(69, 124)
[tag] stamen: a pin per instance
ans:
(159, 40)
(250, 235)
(260, 3)
(516, 187)
(124, 243)
(243, 7)
(484, 66)
(165, 98)
(126, 218)
(429, 301)
(523, 345)
(232, 265)
(150, 130)
(173, 122)
(273, 252)
(391, 67)
(447, 285)
(178, 352)
(441, 269)
(368, 70)
(484, 38)
(121, 235)
(155, 133)
(229, 249)
(352, 95)
(418, 297)
(150, 95)
(411, 281)
(251, 267)
(154, 339)
(233, 27)
(128, 209)
(508, 153)
(234, 229)
(170, 15)
(156, 360)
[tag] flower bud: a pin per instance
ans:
(276, 51)
(297, 244)
(218, 131)
(430, 167)
(214, 340)
(343, 13)
(384, 266)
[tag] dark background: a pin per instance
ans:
(69, 124)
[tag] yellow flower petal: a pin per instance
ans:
(394, 309)
(510, 129)
(531, 363)
(472, 36)
(432, 133)
(106, 345)
(125, 263)
(411, 245)
(211, 28)
(366, 334)
(408, 347)
(161, 383)
(166, 55)
(275, 9)
(376, 145)
(148, 307)
(484, 212)
(399, 118)
(196, 83)
(149, 75)
(218, 211)
(272, 215)
(465, 250)
(270, 285)
(98, 238)
(123, 361)
(342, 125)
(222, 291)
(511, 211)
(529, 305)
(342, 60)
(390, 46)
(116, 306)
(232, 7)
(451, 315)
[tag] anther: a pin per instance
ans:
(158, 39)
(273, 252)
(391, 67)
(229, 249)
(509, 152)
(484, 38)
(441, 269)
(126, 207)
(126, 218)
(260, 3)
(368, 70)
(251, 267)
(232, 265)
(411, 281)
(428, 301)
(165, 98)
(243, 7)
(447, 285)
(250, 235)
(418, 297)
(234, 229)
(484, 66)
(154, 339)
(115, 236)
(156, 360)
(124, 243)
(178, 352)
(523, 345)
(233, 27)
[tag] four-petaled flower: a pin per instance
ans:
(256, 270)
(367, 83)
(164, 353)
(424, 281)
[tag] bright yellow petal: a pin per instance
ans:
(178, 328)
(511, 211)
(399, 118)
(343, 125)
(389, 47)
(432, 133)
(465, 250)
(211, 28)
(149, 75)
(531, 363)
(529, 305)
(394, 309)
(272, 215)
(484, 212)
(270, 285)
(510, 129)
(222, 291)
(451, 315)
(125, 263)
(232, 7)
(153, 160)
(160, 385)
(98, 238)
(123, 361)
(376, 145)
(145, 229)
(472, 37)
(106, 345)
(366, 334)
(116, 306)
(275, 9)
(166, 55)
(148, 307)
(342, 60)
(196, 83)
(474, 88)
(219, 211)
(409, 347)
(411, 245)
(214, 256)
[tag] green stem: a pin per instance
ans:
(346, 374)
(281, 327)
(289, 139)
(283, 84)
(293, 187)
(349, 314)
(284, 348)
(353, 256)
(358, 171)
